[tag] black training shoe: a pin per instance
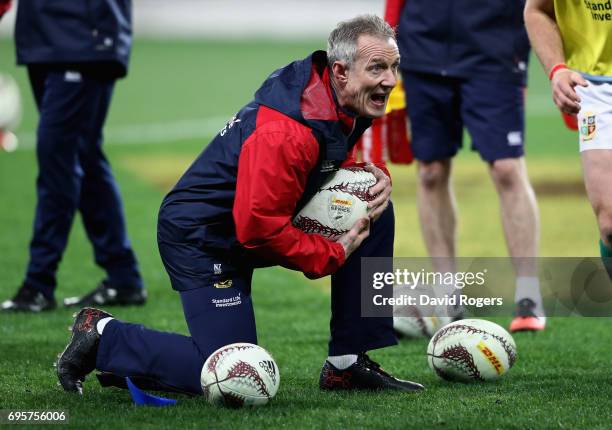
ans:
(28, 299)
(79, 356)
(364, 374)
(106, 295)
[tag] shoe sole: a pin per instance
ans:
(526, 324)
(58, 369)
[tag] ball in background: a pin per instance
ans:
(418, 321)
(471, 350)
(419, 326)
(10, 103)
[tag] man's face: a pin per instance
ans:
(371, 77)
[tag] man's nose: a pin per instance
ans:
(389, 78)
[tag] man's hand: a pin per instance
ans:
(563, 89)
(382, 191)
(351, 240)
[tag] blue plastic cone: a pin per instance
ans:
(144, 399)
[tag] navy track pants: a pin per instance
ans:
(74, 175)
(218, 315)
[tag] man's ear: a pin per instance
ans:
(340, 72)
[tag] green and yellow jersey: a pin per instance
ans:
(586, 29)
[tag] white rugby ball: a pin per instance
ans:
(338, 204)
(413, 324)
(10, 103)
(240, 374)
(471, 350)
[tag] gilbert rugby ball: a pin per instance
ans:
(338, 204)
(471, 350)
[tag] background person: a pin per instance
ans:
(75, 51)
(466, 66)
(573, 40)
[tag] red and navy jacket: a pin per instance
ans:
(243, 190)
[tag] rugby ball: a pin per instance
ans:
(10, 103)
(338, 204)
(240, 374)
(8, 141)
(412, 324)
(471, 350)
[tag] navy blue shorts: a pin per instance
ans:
(440, 107)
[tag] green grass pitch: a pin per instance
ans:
(561, 379)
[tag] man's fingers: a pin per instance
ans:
(564, 94)
(571, 77)
(563, 101)
(362, 225)
(377, 212)
(378, 173)
(351, 240)
(569, 92)
(566, 86)
(376, 188)
(577, 79)
(383, 184)
(369, 167)
(566, 104)
(362, 236)
(379, 199)
(381, 190)
(359, 226)
(569, 108)
(382, 181)
(364, 231)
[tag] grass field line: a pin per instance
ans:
(162, 132)
(196, 128)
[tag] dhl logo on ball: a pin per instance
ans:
(499, 367)
(341, 202)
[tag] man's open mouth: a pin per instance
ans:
(379, 99)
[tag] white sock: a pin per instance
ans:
(102, 323)
(341, 362)
(528, 287)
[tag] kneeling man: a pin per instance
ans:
(231, 212)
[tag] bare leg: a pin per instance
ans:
(437, 212)
(438, 217)
(519, 212)
(520, 220)
(597, 166)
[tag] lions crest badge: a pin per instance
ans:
(588, 126)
